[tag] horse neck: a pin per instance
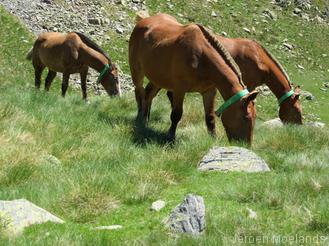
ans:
(93, 58)
(277, 82)
(229, 88)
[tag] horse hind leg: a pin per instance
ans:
(151, 91)
(209, 109)
(176, 114)
(49, 79)
(65, 83)
(38, 69)
(137, 76)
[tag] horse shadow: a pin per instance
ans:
(141, 133)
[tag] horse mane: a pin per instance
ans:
(214, 42)
(92, 45)
(276, 62)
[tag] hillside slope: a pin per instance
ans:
(109, 172)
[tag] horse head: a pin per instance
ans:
(110, 80)
(291, 109)
(239, 119)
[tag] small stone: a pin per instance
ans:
(94, 21)
(274, 123)
(300, 67)
(52, 160)
(224, 34)
(270, 14)
(214, 14)
(288, 46)
(158, 205)
(246, 30)
(119, 30)
(188, 217)
(109, 228)
(236, 159)
(252, 214)
(297, 11)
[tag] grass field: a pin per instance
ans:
(111, 172)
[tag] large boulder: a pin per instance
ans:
(22, 213)
(189, 216)
(232, 159)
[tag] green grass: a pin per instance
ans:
(111, 172)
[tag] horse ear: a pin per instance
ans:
(297, 90)
(251, 96)
(296, 93)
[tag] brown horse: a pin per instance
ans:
(185, 59)
(72, 53)
(258, 66)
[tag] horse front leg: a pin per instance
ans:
(176, 114)
(83, 78)
(209, 110)
(49, 79)
(65, 83)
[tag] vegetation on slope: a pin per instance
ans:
(110, 172)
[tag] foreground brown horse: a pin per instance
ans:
(72, 53)
(185, 59)
(258, 66)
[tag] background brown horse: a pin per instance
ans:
(188, 59)
(258, 66)
(72, 53)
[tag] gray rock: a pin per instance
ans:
(307, 95)
(273, 123)
(189, 216)
(23, 213)
(158, 205)
(237, 159)
(315, 124)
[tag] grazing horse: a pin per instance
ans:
(259, 66)
(72, 53)
(185, 59)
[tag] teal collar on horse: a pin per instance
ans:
(231, 101)
(285, 96)
(103, 72)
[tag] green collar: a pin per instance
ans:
(103, 72)
(285, 96)
(231, 101)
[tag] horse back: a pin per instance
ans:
(165, 49)
(57, 50)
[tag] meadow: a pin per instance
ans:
(111, 171)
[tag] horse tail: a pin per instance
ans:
(141, 15)
(29, 54)
(92, 44)
(214, 42)
(276, 62)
